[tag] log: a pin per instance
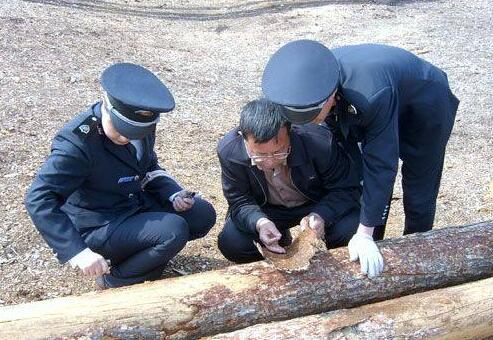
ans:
(240, 296)
(459, 312)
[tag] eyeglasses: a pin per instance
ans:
(278, 156)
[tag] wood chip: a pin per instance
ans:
(298, 254)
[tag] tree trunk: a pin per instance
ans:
(460, 312)
(240, 296)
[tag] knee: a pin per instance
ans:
(208, 214)
(236, 246)
(336, 241)
(175, 232)
(207, 218)
(338, 234)
(225, 243)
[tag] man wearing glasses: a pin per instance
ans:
(275, 177)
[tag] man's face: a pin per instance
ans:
(329, 104)
(271, 154)
(110, 131)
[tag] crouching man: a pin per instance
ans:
(275, 177)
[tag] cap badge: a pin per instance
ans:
(84, 128)
(144, 113)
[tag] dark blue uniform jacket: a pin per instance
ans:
(320, 170)
(394, 93)
(88, 182)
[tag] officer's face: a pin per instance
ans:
(271, 154)
(110, 131)
(325, 109)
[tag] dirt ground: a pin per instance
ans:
(211, 53)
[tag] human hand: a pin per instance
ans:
(90, 263)
(183, 200)
(269, 235)
(362, 247)
(315, 222)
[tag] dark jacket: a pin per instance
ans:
(396, 94)
(88, 181)
(320, 170)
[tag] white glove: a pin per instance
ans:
(363, 247)
(90, 263)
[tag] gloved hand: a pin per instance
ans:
(90, 263)
(269, 235)
(363, 247)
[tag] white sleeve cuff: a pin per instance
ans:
(172, 197)
(76, 258)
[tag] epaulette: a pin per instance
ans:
(87, 127)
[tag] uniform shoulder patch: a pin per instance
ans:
(87, 127)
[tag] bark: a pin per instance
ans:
(240, 296)
(459, 312)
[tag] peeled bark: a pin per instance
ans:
(240, 296)
(459, 312)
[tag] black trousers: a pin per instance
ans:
(141, 246)
(237, 245)
(422, 145)
(423, 136)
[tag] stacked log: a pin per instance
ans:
(240, 296)
(459, 312)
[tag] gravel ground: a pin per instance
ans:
(211, 53)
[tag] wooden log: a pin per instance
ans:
(240, 296)
(459, 312)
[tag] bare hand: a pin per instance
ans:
(91, 263)
(314, 221)
(183, 201)
(269, 235)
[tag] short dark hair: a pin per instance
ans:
(262, 120)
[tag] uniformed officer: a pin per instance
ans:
(101, 201)
(394, 104)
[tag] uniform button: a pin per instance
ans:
(130, 195)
